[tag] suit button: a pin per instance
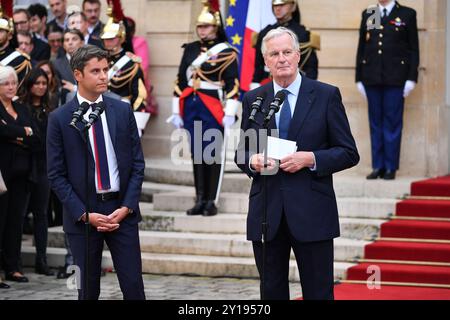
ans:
(364, 61)
(381, 27)
(403, 62)
(380, 43)
(380, 51)
(380, 35)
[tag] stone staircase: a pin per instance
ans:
(174, 243)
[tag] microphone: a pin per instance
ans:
(256, 105)
(95, 115)
(78, 114)
(275, 105)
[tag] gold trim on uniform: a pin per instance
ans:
(235, 90)
(142, 95)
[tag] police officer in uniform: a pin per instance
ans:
(207, 81)
(9, 56)
(288, 15)
(126, 78)
(386, 73)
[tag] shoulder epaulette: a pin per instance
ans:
(133, 57)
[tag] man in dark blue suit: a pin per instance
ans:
(115, 176)
(301, 204)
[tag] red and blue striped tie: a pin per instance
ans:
(101, 159)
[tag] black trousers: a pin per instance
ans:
(39, 198)
(123, 244)
(314, 262)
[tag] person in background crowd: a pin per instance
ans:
(387, 69)
(92, 9)
(41, 50)
(201, 89)
(287, 14)
(77, 20)
(34, 95)
(73, 40)
(16, 140)
(55, 41)
(38, 21)
(25, 44)
(9, 56)
(58, 8)
(53, 83)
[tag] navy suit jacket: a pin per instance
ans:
(319, 124)
(66, 156)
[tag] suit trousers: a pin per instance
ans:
(314, 262)
(386, 122)
(124, 246)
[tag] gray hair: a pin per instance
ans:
(278, 32)
(6, 72)
(84, 54)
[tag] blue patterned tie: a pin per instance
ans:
(101, 159)
(285, 117)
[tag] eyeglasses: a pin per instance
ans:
(16, 23)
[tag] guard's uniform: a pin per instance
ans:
(387, 57)
(309, 63)
(128, 80)
(204, 87)
(21, 62)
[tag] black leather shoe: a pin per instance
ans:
(4, 285)
(376, 173)
(389, 175)
(210, 209)
(44, 269)
(11, 277)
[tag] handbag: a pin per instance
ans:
(3, 188)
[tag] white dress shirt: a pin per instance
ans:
(388, 8)
(110, 153)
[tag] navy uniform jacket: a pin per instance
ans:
(128, 82)
(308, 67)
(319, 124)
(390, 55)
(66, 161)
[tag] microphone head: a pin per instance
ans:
(84, 106)
(280, 96)
(101, 106)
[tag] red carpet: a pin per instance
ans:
(417, 250)
(347, 291)
(416, 229)
(437, 187)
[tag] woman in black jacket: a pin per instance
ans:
(34, 94)
(16, 140)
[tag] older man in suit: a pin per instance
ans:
(115, 176)
(301, 206)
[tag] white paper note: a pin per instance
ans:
(279, 148)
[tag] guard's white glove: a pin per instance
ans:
(409, 87)
(254, 85)
(228, 121)
(361, 89)
(175, 118)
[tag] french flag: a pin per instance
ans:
(245, 19)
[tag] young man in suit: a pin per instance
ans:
(115, 176)
(387, 65)
(301, 204)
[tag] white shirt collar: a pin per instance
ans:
(82, 99)
(293, 88)
(388, 7)
(91, 28)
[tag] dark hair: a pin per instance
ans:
(91, 2)
(131, 26)
(52, 28)
(25, 34)
(25, 95)
(53, 84)
(75, 32)
(37, 9)
(84, 54)
(22, 10)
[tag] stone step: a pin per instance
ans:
(208, 244)
(150, 188)
(170, 264)
(238, 203)
(235, 223)
(345, 185)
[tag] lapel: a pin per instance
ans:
(67, 71)
(305, 100)
(111, 119)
